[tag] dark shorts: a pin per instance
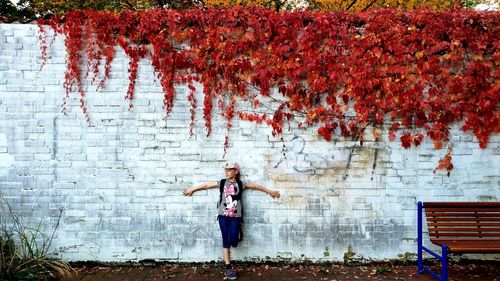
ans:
(230, 229)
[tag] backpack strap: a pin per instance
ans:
(221, 191)
(240, 185)
(240, 193)
(240, 190)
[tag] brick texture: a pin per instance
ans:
(120, 179)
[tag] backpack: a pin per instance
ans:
(237, 197)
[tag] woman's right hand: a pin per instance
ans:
(188, 192)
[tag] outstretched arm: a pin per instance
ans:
(189, 191)
(272, 193)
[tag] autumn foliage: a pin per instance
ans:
(361, 5)
(413, 73)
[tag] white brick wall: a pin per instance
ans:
(120, 180)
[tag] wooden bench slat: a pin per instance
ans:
(460, 204)
(462, 219)
(469, 240)
(461, 224)
(458, 249)
(462, 214)
(469, 209)
(462, 234)
(465, 229)
(459, 246)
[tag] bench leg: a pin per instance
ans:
(420, 269)
(444, 251)
(444, 263)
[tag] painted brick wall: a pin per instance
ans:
(120, 179)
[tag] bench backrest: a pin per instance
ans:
(463, 220)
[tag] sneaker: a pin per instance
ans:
(230, 274)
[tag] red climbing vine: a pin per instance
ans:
(416, 72)
(445, 162)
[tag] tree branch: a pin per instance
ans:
(352, 4)
(369, 5)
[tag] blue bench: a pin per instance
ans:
(458, 227)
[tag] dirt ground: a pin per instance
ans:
(282, 272)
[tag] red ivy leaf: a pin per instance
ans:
(392, 136)
(406, 140)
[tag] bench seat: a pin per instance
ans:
(458, 227)
(469, 246)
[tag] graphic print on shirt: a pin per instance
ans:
(230, 203)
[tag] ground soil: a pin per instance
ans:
(479, 271)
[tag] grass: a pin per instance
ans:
(24, 251)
